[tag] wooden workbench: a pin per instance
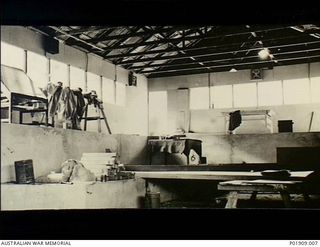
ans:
(156, 181)
(214, 175)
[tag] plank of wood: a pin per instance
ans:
(247, 188)
(261, 186)
(264, 181)
(232, 200)
(199, 175)
(211, 175)
(301, 174)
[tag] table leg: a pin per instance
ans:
(150, 155)
(253, 195)
(232, 200)
(286, 199)
(306, 198)
(20, 117)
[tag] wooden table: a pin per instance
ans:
(154, 179)
(284, 187)
(214, 175)
(248, 115)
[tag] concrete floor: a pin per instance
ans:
(262, 201)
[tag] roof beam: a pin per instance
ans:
(203, 37)
(121, 40)
(189, 72)
(182, 52)
(152, 46)
(76, 38)
(257, 63)
(138, 34)
(85, 29)
(123, 55)
(144, 39)
(208, 62)
(74, 42)
(177, 57)
(149, 49)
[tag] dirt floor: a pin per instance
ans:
(262, 201)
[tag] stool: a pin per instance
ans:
(255, 186)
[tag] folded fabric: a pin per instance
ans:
(74, 170)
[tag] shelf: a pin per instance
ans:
(24, 110)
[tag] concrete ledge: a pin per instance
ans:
(112, 194)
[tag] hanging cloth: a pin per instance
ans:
(53, 103)
(70, 103)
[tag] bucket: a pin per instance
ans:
(153, 200)
(285, 125)
(24, 171)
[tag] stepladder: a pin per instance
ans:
(99, 109)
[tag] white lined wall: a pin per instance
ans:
(292, 92)
(78, 69)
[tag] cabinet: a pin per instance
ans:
(174, 151)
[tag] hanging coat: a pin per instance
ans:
(53, 103)
(69, 104)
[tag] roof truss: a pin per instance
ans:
(174, 50)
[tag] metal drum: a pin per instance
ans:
(153, 200)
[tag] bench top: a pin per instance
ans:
(214, 175)
(261, 185)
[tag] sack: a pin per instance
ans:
(74, 170)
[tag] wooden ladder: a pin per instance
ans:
(100, 110)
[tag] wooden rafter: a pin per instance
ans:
(259, 64)
(174, 50)
(210, 62)
(208, 36)
(85, 29)
(138, 34)
(148, 49)
(229, 51)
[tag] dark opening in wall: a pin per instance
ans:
(50, 45)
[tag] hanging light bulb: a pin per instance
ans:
(233, 70)
(264, 53)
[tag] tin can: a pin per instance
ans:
(24, 171)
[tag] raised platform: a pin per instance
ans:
(112, 194)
